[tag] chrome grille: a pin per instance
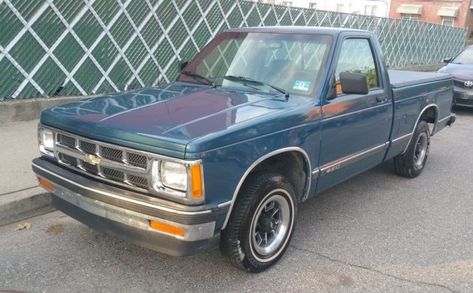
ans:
(111, 154)
(66, 140)
(89, 167)
(461, 83)
(137, 160)
(138, 181)
(107, 162)
(68, 160)
(458, 83)
(113, 174)
(87, 147)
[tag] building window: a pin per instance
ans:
(370, 9)
(448, 21)
(313, 5)
(409, 16)
(340, 7)
(286, 3)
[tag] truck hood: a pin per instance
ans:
(162, 120)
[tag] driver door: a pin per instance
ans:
(355, 128)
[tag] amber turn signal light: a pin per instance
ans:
(167, 228)
(46, 184)
(196, 175)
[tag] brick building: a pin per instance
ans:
(457, 13)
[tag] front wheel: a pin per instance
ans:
(411, 163)
(261, 223)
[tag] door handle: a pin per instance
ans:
(381, 99)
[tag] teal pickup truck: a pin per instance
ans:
(257, 123)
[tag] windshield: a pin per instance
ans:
(292, 62)
(465, 57)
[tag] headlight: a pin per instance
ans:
(179, 179)
(46, 141)
(174, 175)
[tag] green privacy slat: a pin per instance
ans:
(136, 53)
(87, 29)
(106, 9)
(70, 90)
(88, 75)
(121, 72)
(149, 73)
(122, 31)
(166, 12)
(137, 10)
(68, 9)
(105, 88)
(10, 78)
(9, 25)
(27, 52)
(48, 27)
(65, 47)
(29, 91)
(50, 77)
(27, 8)
(105, 52)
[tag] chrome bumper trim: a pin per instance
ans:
(131, 218)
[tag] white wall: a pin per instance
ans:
(367, 7)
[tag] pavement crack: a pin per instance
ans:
(19, 190)
(416, 282)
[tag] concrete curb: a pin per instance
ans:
(24, 208)
(29, 109)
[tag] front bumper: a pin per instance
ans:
(462, 97)
(127, 214)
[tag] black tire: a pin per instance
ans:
(236, 242)
(410, 164)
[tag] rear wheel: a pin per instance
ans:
(411, 163)
(261, 224)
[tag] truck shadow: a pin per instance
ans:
(313, 216)
(462, 110)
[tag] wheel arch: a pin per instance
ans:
(257, 165)
(429, 114)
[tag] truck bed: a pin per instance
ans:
(400, 78)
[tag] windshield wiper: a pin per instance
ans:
(257, 82)
(199, 78)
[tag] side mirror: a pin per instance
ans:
(182, 65)
(354, 83)
(447, 60)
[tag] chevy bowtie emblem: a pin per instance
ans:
(468, 83)
(91, 159)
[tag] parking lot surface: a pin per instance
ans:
(374, 233)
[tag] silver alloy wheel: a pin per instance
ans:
(271, 225)
(420, 150)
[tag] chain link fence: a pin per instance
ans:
(62, 47)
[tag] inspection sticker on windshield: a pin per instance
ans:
(301, 85)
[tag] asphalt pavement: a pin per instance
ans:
(376, 232)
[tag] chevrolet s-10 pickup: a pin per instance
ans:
(261, 120)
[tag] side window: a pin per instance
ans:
(356, 56)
